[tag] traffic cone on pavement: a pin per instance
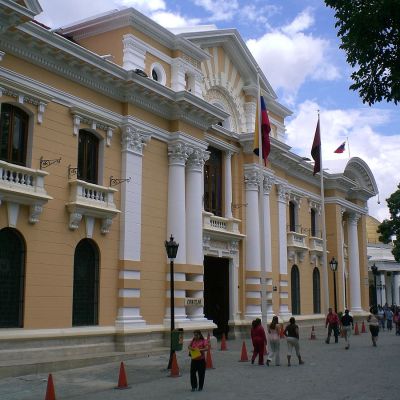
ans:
(174, 367)
(312, 337)
(356, 331)
(50, 393)
(363, 328)
(223, 343)
(122, 381)
(209, 363)
(244, 356)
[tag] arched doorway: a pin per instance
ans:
(12, 278)
(316, 291)
(86, 284)
(295, 282)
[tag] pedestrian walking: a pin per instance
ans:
(292, 336)
(389, 318)
(347, 325)
(259, 341)
(197, 349)
(274, 341)
(396, 320)
(373, 323)
(332, 323)
(381, 317)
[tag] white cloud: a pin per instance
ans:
(289, 57)
(221, 10)
(361, 127)
(144, 5)
(170, 20)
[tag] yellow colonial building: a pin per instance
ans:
(116, 133)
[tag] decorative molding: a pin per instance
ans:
(34, 212)
(252, 179)
(132, 140)
(353, 218)
(178, 153)
(283, 192)
(197, 159)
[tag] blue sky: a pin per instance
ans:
(295, 44)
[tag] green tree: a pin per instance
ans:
(391, 227)
(370, 35)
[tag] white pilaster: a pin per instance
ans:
(383, 286)
(267, 185)
(396, 287)
(354, 266)
(283, 192)
(253, 255)
(228, 184)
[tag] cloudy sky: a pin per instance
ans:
(295, 44)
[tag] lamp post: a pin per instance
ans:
(333, 265)
(374, 270)
(172, 249)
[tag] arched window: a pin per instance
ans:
(316, 291)
(295, 281)
(13, 134)
(213, 182)
(88, 155)
(292, 216)
(12, 278)
(313, 223)
(86, 284)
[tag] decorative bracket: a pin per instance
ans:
(72, 171)
(118, 181)
(46, 163)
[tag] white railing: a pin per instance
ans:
(295, 239)
(220, 224)
(91, 195)
(316, 244)
(22, 179)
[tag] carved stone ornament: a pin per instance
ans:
(252, 180)
(132, 140)
(283, 192)
(178, 153)
(75, 219)
(267, 184)
(353, 218)
(197, 159)
(105, 225)
(34, 211)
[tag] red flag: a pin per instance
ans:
(265, 130)
(341, 148)
(316, 150)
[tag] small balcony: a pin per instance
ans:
(296, 243)
(91, 201)
(22, 186)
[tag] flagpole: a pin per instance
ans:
(263, 277)
(324, 256)
(348, 146)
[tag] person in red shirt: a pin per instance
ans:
(332, 323)
(198, 363)
(259, 341)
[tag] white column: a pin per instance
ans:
(194, 221)
(382, 295)
(131, 222)
(178, 153)
(228, 184)
(396, 287)
(283, 192)
(354, 266)
(253, 255)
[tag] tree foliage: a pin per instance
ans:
(370, 35)
(391, 227)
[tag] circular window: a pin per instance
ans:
(158, 73)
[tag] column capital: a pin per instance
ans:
(132, 140)
(178, 153)
(353, 218)
(268, 181)
(252, 180)
(197, 159)
(283, 192)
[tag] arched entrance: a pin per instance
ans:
(216, 293)
(295, 282)
(86, 284)
(12, 278)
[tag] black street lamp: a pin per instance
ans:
(334, 264)
(374, 270)
(172, 249)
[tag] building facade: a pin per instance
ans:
(117, 133)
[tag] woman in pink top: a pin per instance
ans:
(259, 341)
(198, 364)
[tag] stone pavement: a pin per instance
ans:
(330, 372)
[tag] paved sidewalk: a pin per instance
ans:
(330, 373)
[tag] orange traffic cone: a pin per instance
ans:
(312, 337)
(223, 343)
(50, 393)
(356, 332)
(363, 328)
(122, 381)
(174, 367)
(244, 356)
(209, 363)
